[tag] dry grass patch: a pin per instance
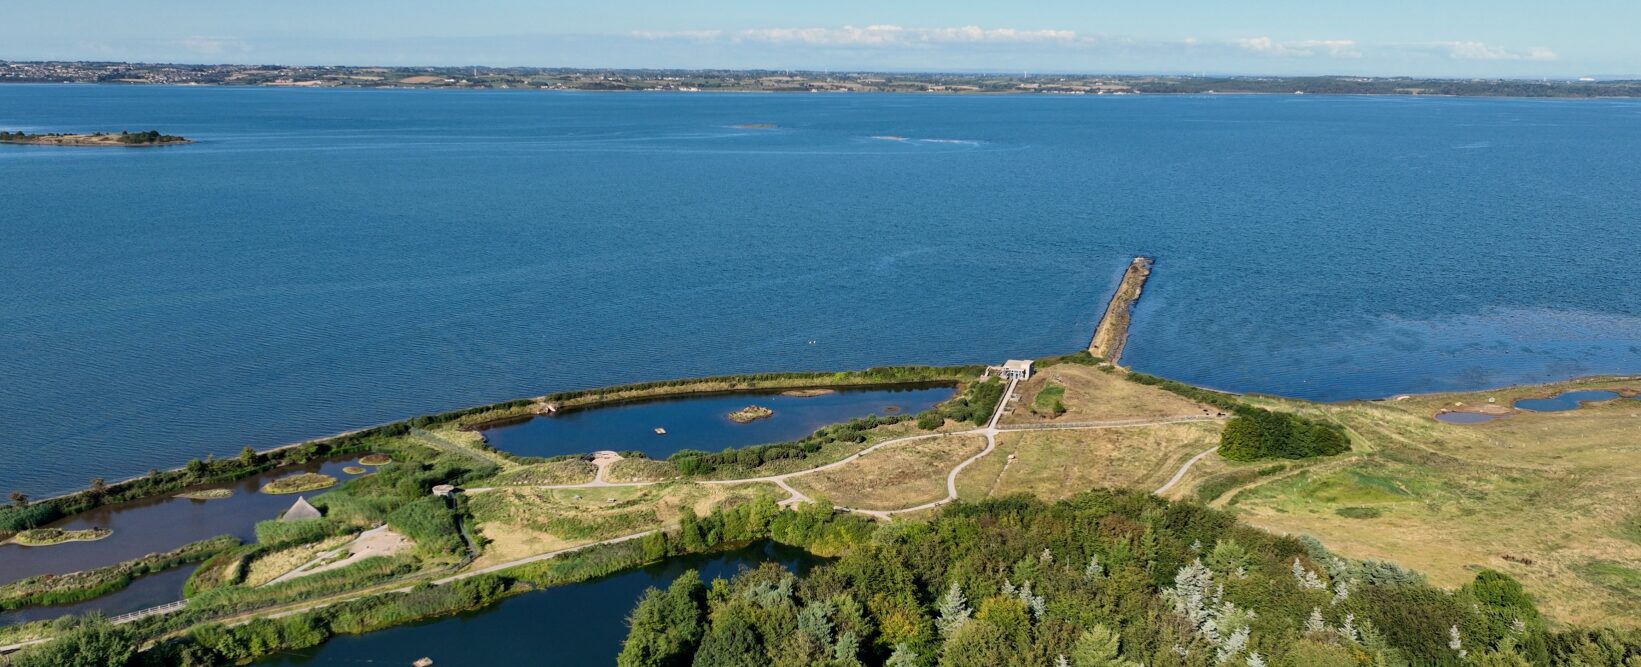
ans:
(829, 453)
(1055, 464)
(273, 564)
(640, 470)
(1540, 496)
(520, 522)
(900, 475)
(1095, 395)
(573, 471)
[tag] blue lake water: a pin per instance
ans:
(580, 624)
(1567, 401)
(155, 525)
(702, 422)
(328, 259)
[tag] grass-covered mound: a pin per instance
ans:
(206, 494)
(1103, 579)
(43, 537)
(308, 481)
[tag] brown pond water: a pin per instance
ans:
(160, 524)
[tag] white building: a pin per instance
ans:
(1016, 369)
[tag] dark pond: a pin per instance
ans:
(580, 624)
(149, 591)
(1567, 401)
(1465, 417)
(702, 422)
(159, 524)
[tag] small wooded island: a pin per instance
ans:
(149, 138)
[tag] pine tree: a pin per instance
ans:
(1315, 622)
(902, 657)
(953, 611)
(1093, 571)
(1099, 647)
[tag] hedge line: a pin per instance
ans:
(1255, 433)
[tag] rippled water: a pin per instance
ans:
(326, 259)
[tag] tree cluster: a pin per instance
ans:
(1104, 579)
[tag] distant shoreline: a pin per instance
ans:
(754, 80)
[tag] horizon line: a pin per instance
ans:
(827, 71)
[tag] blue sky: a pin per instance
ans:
(1524, 38)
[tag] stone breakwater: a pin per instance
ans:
(1112, 331)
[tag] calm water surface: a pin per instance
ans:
(581, 624)
(160, 524)
(150, 591)
(328, 259)
(702, 422)
(1568, 401)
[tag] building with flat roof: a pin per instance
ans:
(1015, 369)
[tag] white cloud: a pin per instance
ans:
(1306, 48)
(1481, 51)
(879, 35)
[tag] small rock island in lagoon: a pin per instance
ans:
(750, 414)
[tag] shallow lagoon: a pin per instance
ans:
(161, 524)
(578, 624)
(150, 591)
(702, 422)
(1568, 401)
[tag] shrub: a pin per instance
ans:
(1359, 512)
(432, 524)
(1257, 433)
(300, 531)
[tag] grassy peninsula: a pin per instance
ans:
(1094, 513)
(149, 138)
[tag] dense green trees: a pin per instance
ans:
(666, 627)
(90, 643)
(1255, 433)
(1105, 579)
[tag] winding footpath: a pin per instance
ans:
(990, 432)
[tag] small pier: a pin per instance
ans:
(1112, 331)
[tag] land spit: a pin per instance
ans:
(1112, 331)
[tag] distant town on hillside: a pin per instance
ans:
(788, 81)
